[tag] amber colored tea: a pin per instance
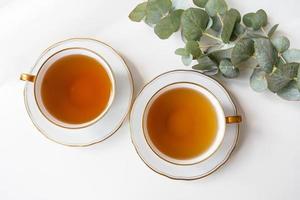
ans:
(182, 123)
(76, 89)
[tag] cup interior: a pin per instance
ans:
(221, 123)
(48, 63)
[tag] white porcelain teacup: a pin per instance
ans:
(222, 120)
(38, 78)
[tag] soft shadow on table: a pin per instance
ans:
(138, 83)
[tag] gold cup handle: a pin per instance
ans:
(27, 77)
(233, 119)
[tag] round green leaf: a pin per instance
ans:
(237, 14)
(292, 55)
(298, 79)
(290, 70)
(187, 60)
(242, 51)
(256, 20)
(168, 25)
(282, 76)
(272, 30)
(228, 70)
(156, 9)
(231, 17)
(265, 53)
(262, 17)
(200, 3)
(290, 92)
(204, 63)
(213, 7)
(220, 55)
(138, 13)
(194, 22)
(192, 47)
(179, 4)
(217, 24)
(239, 30)
(277, 81)
(181, 52)
(258, 81)
(281, 43)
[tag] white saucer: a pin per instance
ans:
(114, 117)
(171, 170)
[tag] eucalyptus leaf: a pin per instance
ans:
(181, 52)
(281, 43)
(192, 47)
(213, 7)
(290, 92)
(217, 23)
(282, 76)
(298, 79)
(242, 51)
(168, 25)
(138, 13)
(200, 3)
(277, 81)
(290, 70)
(228, 70)
(292, 55)
(256, 20)
(263, 17)
(187, 60)
(239, 29)
(265, 54)
(156, 9)
(248, 19)
(204, 62)
(237, 14)
(231, 17)
(272, 30)
(254, 35)
(258, 81)
(220, 55)
(179, 4)
(211, 72)
(194, 22)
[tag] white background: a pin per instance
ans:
(264, 166)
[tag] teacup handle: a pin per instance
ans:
(233, 119)
(27, 77)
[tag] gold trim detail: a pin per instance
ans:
(27, 77)
(233, 119)
(221, 163)
(121, 121)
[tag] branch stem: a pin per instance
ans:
(213, 37)
(282, 58)
(263, 30)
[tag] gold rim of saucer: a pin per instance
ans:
(223, 162)
(130, 77)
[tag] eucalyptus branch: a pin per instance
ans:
(241, 38)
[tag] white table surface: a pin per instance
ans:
(265, 165)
